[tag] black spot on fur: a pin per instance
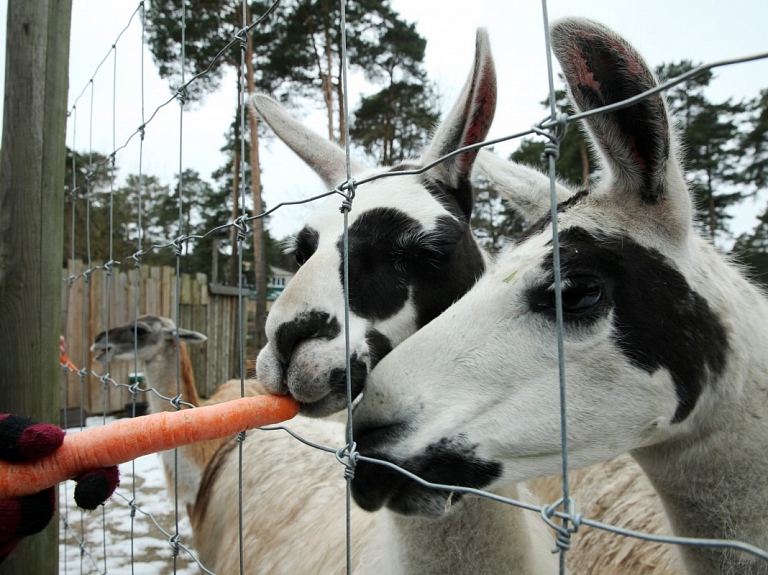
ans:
(379, 345)
(391, 256)
(457, 200)
(307, 325)
(450, 461)
(659, 321)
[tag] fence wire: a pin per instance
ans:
(553, 128)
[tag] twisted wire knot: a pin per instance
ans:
(142, 131)
(104, 379)
(242, 37)
(174, 543)
(132, 505)
(241, 436)
(177, 245)
(241, 225)
(137, 259)
(175, 402)
(181, 95)
(563, 537)
(82, 373)
(347, 456)
(554, 129)
(346, 203)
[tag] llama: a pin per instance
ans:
(156, 345)
(425, 219)
(314, 517)
(294, 495)
(213, 512)
(664, 342)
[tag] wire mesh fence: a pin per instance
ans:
(88, 541)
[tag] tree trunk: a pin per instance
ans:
(31, 228)
(233, 260)
(342, 108)
(259, 252)
(328, 86)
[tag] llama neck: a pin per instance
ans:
(713, 478)
(715, 489)
(162, 373)
(478, 536)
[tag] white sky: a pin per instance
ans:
(662, 30)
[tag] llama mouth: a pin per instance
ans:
(336, 398)
(106, 351)
(376, 486)
(444, 463)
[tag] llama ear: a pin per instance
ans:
(185, 335)
(323, 156)
(467, 123)
(636, 143)
(526, 189)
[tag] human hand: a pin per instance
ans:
(22, 439)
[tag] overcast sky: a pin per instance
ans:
(662, 30)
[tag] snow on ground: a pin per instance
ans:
(134, 546)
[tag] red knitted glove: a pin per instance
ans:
(21, 439)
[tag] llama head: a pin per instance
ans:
(411, 252)
(146, 337)
(472, 399)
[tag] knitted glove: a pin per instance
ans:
(21, 439)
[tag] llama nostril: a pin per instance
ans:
(307, 325)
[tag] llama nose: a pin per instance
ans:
(307, 325)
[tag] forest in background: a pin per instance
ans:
(295, 56)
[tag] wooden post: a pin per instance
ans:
(31, 219)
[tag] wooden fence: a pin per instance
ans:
(89, 306)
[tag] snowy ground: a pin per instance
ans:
(107, 532)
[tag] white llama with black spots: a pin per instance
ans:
(294, 496)
(664, 340)
(409, 237)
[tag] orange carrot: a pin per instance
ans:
(127, 439)
(64, 360)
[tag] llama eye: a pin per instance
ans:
(303, 245)
(580, 297)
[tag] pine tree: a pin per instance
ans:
(87, 183)
(574, 164)
(209, 25)
(710, 134)
(752, 247)
(494, 221)
(754, 143)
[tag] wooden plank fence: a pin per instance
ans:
(89, 305)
